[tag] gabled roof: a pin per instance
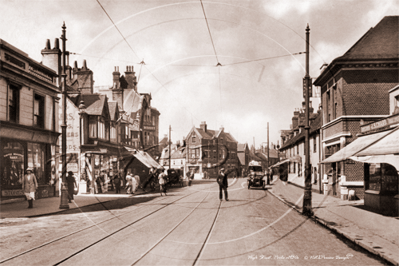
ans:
(241, 158)
(379, 42)
(94, 103)
(113, 110)
(242, 147)
(180, 153)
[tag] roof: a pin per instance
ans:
(180, 153)
(241, 147)
(380, 42)
(314, 126)
(94, 103)
(241, 158)
(113, 110)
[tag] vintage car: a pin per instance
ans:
(256, 176)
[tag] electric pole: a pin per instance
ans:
(64, 190)
(307, 198)
(170, 129)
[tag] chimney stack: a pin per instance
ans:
(115, 78)
(203, 126)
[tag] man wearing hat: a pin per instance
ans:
(29, 186)
(71, 182)
(222, 181)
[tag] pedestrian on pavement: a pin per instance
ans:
(162, 182)
(117, 183)
(71, 182)
(151, 175)
(129, 183)
(222, 181)
(29, 186)
(135, 183)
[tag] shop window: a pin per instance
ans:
(38, 111)
(93, 127)
(13, 103)
(382, 177)
(36, 160)
(12, 165)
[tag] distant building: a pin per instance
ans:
(209, 150)
(137, 106)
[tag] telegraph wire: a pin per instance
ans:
(116, 27)
(136, 53)
(209, 30)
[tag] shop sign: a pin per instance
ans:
(11, 193)
(149, 128)
(72, 167)
(393, 120)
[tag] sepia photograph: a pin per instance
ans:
(199, 132)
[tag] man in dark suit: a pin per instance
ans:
(222, 181)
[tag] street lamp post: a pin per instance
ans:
(64, 189)
(307, 198)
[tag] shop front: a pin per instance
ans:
(16, 156)
(98, 165)
(381, 163)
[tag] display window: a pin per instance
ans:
(384, 178)
(36, 160)
(12, 165)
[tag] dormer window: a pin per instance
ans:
(193, 139)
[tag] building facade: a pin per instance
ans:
(209, 150)
(29, 122)
(354, 91)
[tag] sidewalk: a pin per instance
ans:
(18, 208)
(374, 232)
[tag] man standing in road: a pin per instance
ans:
(222, 181)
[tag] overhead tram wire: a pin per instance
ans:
(209, 30)
(135, 51)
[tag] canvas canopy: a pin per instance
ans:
(356, 146)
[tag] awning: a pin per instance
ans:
(356, 146)
(280, 163)
(389, 144)
(385, 150)
(390, 159)
(146, 159)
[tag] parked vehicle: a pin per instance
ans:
(175, 176)
(256, 175)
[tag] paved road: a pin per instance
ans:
(190, 226)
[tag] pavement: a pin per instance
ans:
(374, 232)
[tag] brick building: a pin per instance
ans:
(354, 91)
(209, 150)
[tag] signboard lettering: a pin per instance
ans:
(9, 193)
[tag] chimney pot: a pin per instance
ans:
(48, 46)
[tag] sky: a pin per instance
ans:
(236, 64)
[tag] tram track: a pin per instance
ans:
(64, 237)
